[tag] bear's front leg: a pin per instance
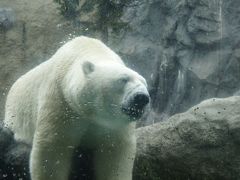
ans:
(114, 161)
(49, 160)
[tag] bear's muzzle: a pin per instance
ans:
(135, 105)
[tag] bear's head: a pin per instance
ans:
(106, 92)
(114, 92)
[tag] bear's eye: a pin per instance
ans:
(123, 80)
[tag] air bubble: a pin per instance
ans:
(57, 162)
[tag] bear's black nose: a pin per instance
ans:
(140, 100)
(136, 104)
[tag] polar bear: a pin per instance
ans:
(83, 96)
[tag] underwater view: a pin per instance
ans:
(119, 89)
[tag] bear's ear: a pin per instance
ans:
(88, 67)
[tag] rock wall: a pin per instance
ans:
(192, 47)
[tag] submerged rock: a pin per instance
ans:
(202, 143)
(14, 157)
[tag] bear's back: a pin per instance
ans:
(86, 49)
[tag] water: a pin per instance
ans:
(178, 92)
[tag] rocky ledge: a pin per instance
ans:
(202, 143)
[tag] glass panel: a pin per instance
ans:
(119, 89)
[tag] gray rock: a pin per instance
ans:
(14, 157)
(237, 93)
(6, 18)
(202, 143)
(205, 23)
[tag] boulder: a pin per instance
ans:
(14, 157)
(202, 143)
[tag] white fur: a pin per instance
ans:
(57, 106)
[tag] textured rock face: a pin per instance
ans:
(6, 18)
(202, 143)
(188, 50)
